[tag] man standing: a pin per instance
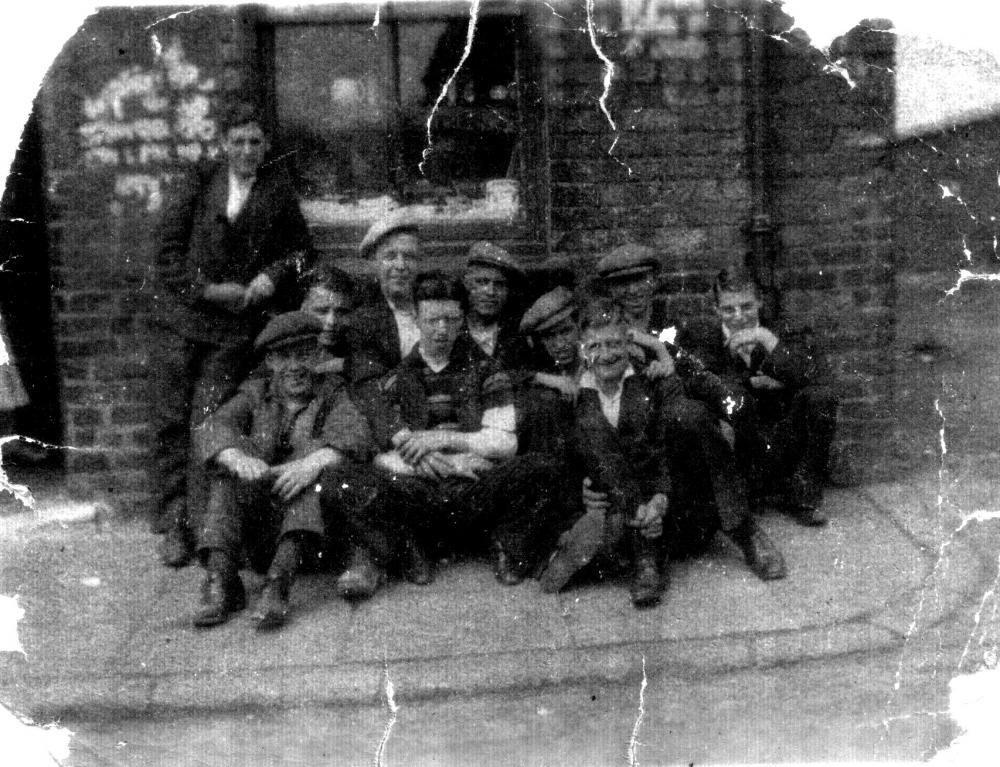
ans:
(267, 447)
(448, 477)
(232, 245)
(491, 278)
(388, 327)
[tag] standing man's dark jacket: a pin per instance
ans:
(199, 245)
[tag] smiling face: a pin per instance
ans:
(605, 350)
(488, 291)
(333, 309)
(396, 260)
(634, 294)
(292, 368)
(245, 147)
(562, 342)
(440, 322)
(738, 309)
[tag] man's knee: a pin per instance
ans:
(819, 401)
(690, 415)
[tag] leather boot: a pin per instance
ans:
(762, 556)
(417, 568)
(222, 594)
(176, 549)
(362, 577)
(507, 570)
(272, 609)
(649, 579)
(804, 496)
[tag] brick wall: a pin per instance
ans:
(677, 178)
(118, 122)
(832, 181)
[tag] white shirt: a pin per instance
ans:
(611, 405)
(409, 333)
(486, 338)
(239, 191)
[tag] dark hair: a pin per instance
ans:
(335, 280)
(601, 312)
(241, 113)
(735, 279)
(439, 286)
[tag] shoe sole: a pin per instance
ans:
(269, 622)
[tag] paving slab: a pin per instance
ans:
(108, 629)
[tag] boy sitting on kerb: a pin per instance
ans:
(640, 441)
(785, 445)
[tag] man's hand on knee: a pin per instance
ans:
(295, 476)
(649, 516)
(244, 466)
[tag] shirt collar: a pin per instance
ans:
(588, 381)
(239, 181)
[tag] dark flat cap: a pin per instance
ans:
(629, 260)
(549, 310)
(286, 329)
(398, 220)
(485, 253)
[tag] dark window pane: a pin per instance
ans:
(331, 85)
(353, 109)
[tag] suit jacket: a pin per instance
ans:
(630, 462)
(795, 361)
(255, 422)
(199, 245)
(376, 332)
(511, 351)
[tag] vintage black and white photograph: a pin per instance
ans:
(500, 382)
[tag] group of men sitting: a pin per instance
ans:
(438, 420)
(434, 422)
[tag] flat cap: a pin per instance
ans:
(549, 310)
(485, 253)
(396, 220)
(628, 260)
(286, 329)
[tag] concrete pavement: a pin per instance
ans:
(107, 630)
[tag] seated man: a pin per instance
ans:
(639, 440)
(267, 447)
(331, 297)
(545, 403)
(448, 476)
(491, 278)
(787, 444)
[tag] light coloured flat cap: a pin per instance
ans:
(485, 253)
(548, 311)
(398, 220)
(626, 261)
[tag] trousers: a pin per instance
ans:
(188, 380)
(516, 503)
(785, 435)
(246, 517)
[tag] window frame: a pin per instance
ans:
(533, 221)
